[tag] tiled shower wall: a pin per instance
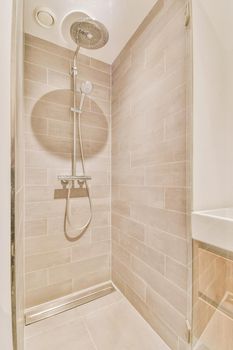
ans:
(54, 266)
(149, 162)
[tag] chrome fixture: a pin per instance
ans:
(90, 34)
(55, 307)
(67, 178)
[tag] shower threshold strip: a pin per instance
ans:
(71, 301)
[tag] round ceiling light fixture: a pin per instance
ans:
(45, 17)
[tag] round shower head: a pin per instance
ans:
(86, 87)
(89, 33)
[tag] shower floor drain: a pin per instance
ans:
(66, 303)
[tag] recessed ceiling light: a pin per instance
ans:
(45, 17)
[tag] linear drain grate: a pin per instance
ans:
(66, 303)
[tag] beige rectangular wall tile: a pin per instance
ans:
(35, 72)
(46, 110)
(130, 278)
(80, 268)
(90, 250)
(165, 220)
(102, 66)
(35, 89)
(36, 125)
(35, 280)
(34, 41)
(175, 125)
(149, 171)
(94, 75)
(51, 243)
(101, 92)
(152, 257)
(47, 260)
(46, 59)
(162, 328)
(88, 280)
(159, 283)
(35, 176)
(101, 234)
(129, 226)
(177, 273)
(120, 253)
(48, 148)
(167, 313)
(44, 294)
(59, 80)
(175, 199)
(36, 227)
(168, 244)
(168, 175)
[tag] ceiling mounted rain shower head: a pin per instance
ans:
(89, 33)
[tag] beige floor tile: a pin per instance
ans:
(50, 323)
(120, 327)
(72, 336)
(107, 323)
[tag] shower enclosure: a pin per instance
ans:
(105, 171)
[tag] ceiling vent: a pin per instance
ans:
(45, 17)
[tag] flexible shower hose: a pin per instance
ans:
(68, 215)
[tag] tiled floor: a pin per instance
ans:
(104, 324)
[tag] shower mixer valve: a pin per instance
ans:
(76, 110)
(66, 179)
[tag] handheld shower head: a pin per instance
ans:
(86, 87)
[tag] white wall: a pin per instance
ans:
(213, 107)
(5, 298)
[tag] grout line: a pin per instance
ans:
(34, 46)
(184, 238)
(104, 307)
(153, 249)
(66, 57)
(162, 297)
(124, 298)
(89, 333)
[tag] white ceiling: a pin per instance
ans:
(121, 17)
